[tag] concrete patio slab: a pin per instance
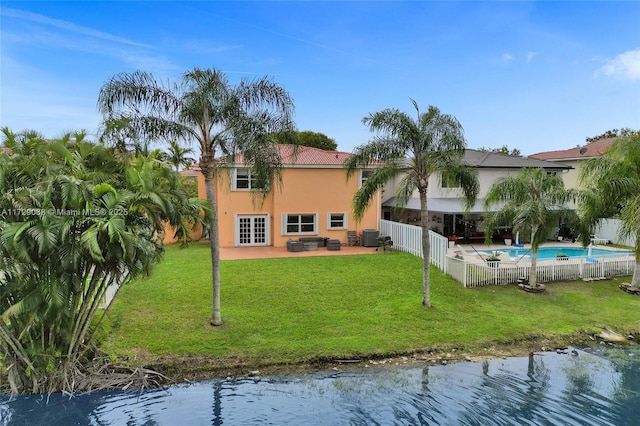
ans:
(235, 253)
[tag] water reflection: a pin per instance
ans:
(597, 386)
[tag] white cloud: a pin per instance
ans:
(44, 32)
(507, 58)
(68, 27)
(625, 66)
(530, 56)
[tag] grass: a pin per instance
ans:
(297, 309)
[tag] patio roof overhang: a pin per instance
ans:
(443, 205)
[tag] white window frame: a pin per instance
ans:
(234, 180)
(236, 232)
(329, 221)
(285, 223)
(364, 175)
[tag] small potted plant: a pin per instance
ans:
(493, 260)
(508, 239)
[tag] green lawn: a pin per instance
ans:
(296, 309)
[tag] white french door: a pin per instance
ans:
(252, 230)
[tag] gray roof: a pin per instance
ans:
(484, 159)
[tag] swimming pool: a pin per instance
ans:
(545, 253)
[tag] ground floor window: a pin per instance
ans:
(300, 223)
(336, 221)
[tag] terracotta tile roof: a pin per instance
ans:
(307, 156)
(6, 150)
(594, 149)
(191, 171)
(311, 156)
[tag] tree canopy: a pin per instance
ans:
(504, 150)
(76, 220)
(611, 188)
(613, 133)
(308, 138)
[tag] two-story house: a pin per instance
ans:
(313, 200)
(607, 229)
(574, 157)
(447, 214)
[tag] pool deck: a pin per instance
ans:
(471, 249)
(232, 253)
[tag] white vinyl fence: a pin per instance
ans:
(475, 274)
(608, 229)
(408, 238)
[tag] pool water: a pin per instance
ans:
(551, 252)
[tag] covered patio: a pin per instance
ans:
(447, 217)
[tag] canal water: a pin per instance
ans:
(591, 386)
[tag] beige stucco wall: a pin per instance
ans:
(486, 177)
(318, 191)
(570, 177)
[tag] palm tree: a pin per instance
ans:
(177, 155)
(76, 219)
(611, 188)
(220, 117)
(432, 143)
(534, 201)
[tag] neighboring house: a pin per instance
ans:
(313, 200)
(446, 208)
(574, 156)
(607, 229)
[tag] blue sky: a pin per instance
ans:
(535, 76)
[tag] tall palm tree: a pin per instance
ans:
(221, 118)
(416, 148)
(534, 202)
(611, 188)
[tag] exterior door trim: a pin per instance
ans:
(251, 230)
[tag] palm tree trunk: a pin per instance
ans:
(533, 279)
(635, 279)
(426, 248)
(214, 241)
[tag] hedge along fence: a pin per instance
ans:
(480, 273)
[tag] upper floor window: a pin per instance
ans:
(364, 175)
(243, 180)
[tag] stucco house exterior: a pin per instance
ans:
(313, 200)
(607, 229)
(574, 157)
(446, 209)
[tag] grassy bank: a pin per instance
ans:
(297, 309)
